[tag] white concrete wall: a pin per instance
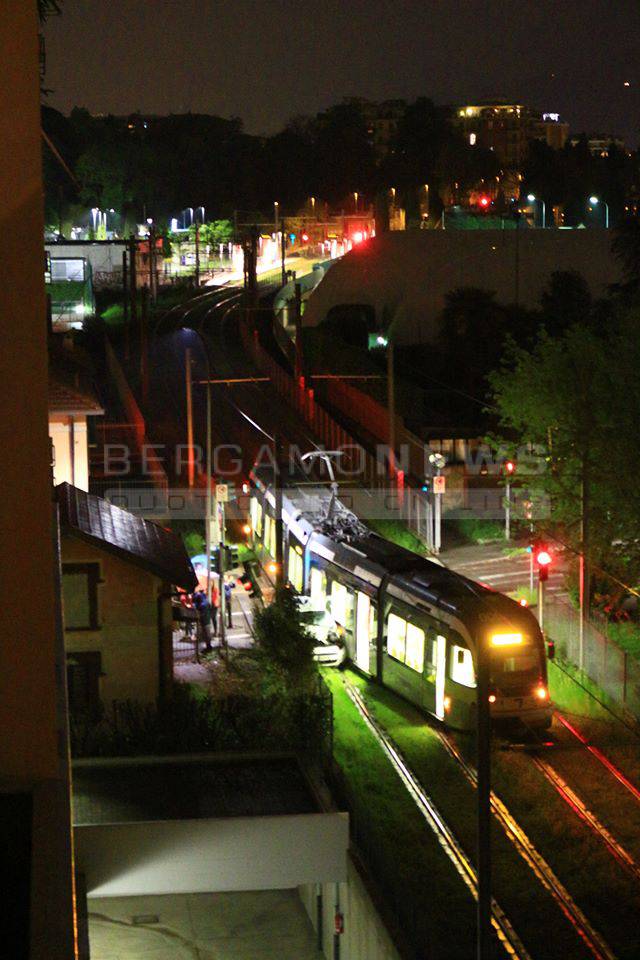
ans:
(365, 936)
(103, 257)
(67, 468)
(197, 856)
(408, 274)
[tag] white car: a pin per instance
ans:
(330, 649)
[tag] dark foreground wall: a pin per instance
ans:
(405, 276)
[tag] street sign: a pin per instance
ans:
(222, 492)
(439, 484)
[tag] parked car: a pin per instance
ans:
(330, 649)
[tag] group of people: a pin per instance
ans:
(208, 609)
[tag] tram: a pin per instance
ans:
(409, 622)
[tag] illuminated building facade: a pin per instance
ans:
(507, 128)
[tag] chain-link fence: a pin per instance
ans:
(613, 669)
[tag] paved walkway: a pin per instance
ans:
(258, 925)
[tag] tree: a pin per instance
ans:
(565, 301)
(576, 396)
(284, 645)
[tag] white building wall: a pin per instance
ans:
(70, 450)
(365, 936)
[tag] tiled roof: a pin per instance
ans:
(66, 399)
(133, 538)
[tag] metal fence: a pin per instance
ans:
(614, 670)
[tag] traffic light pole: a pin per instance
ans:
(222, 563)
(283, 251)
(541, 601)
(507, 511)
(483, 734)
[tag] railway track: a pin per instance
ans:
(592, 940)
(505, 932)
(601, 758)
(534, 859)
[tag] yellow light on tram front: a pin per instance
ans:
(506, 639)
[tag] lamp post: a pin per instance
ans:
(276, 216)
(355, 200)
(531, 197)
(595, 201)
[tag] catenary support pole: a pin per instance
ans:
(483, 733)
(190, 452)
(279, 526)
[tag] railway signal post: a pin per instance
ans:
(509, 470)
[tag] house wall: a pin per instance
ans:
(71, 452)
(128, 616)
(33, 745)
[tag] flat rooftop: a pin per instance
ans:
(148, 790)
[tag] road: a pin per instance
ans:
(504, 568)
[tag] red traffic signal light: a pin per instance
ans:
(305, 237)
(543, 559)
(509, 467)
(484, 201)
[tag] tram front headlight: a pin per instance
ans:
(541, 692)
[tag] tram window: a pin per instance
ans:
(295, 568)
(525, 663)
(430, 671)
(318, 587)
(270, 535)
(414, 656)
(396, 637)
(256, 516)
(462, 671)
(339, 603)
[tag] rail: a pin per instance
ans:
(502, 926)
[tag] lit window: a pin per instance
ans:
(339, 602)
(256, 516)
(462, 666)
(270, 535)
(396, 637)
(414, 656)
(318, 587)
(295, 568)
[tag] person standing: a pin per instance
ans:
(214, 606)
(202, 605)
(227, 603)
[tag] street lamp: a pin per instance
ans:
(276, 216)
(595, 201)
(355, 200)
(531, 197)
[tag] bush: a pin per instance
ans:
(299, 723)
(284, 646)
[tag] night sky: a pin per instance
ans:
(268, 60)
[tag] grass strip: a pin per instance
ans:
(527, 904)
(415, 876)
